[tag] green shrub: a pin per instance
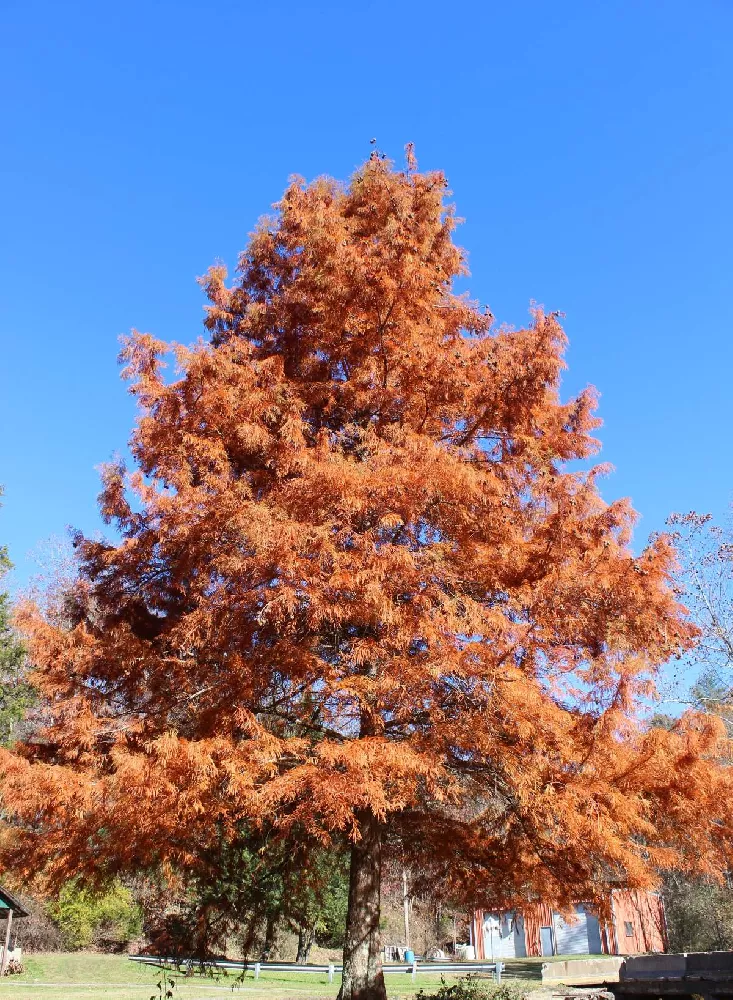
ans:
(474, 988)
(107, 919)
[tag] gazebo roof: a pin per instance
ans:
(9, 902)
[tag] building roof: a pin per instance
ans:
(9, 902)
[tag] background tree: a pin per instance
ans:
(317, 898)
(16, 695)
(363, 589)
(247, 889)
(108, 919)
(700, 908)
(699, 912)
(710, 694)
(706, 579)
(232, 887)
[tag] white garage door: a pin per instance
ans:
(579, 938)
(520, 943)
(499, 935)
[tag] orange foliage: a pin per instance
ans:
(358, 574)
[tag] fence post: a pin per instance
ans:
(499, 968)
(330, 972)
(257, 970)
(414, 970)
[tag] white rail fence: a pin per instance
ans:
(409, 968)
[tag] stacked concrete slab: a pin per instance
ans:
(706, 974)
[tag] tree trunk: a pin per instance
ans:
(305, 941)
(270, 937)
(363, 978)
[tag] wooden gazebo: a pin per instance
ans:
(9, 908)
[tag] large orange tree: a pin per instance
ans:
(363, 585)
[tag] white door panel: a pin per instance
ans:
(572, 938)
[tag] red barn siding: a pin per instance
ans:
(477, 933)
(644, 911)
(536, 916)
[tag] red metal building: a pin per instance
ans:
(637, 925)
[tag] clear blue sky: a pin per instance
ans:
(588, 145)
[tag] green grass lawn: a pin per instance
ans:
(81, 976)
